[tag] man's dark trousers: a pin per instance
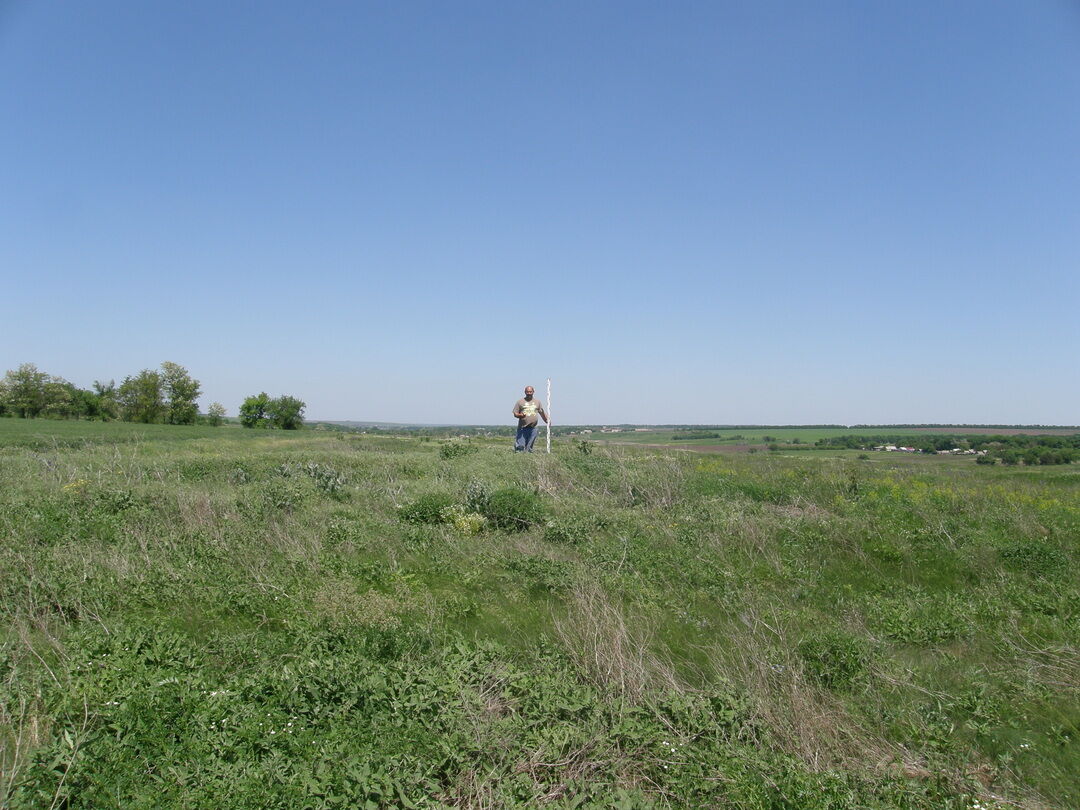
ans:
(526, 438)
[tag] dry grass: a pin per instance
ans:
(800, 717)
(23, 728)
(611, 651)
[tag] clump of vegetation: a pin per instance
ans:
(430, 508)
(456, 449)
(239, 475)
(834, 659)
(477, 495)
(514, 509)
(282, 495)
(542, 573)
(1035, 557)
(327, 479)
(464, 521)
(569, 530)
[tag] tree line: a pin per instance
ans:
(168, 395)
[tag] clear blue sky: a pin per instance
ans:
(699, 212)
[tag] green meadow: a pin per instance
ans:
(734, 435)
(199, 617)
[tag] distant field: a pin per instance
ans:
(50, 433)
(809, 435)
(804, 435)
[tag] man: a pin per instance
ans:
(526, 410)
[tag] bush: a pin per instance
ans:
(833, 659)
(456, 449)
(427, 508)
(514, 509)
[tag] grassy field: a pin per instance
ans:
(200, 617)
(733, 436)
(48, 434)
(760, 436)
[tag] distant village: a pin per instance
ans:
(613, 430)
(956, 451)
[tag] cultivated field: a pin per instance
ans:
(206, 618)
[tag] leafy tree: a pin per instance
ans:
(23, 390)
(107, 405)
(286, 412)
(215, 414)
(260, 411)
(253, 411)
(141, 397)
(181, 391)
(85, 404)
(59, 398)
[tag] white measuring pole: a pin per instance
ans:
(548, 406)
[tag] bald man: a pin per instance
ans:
(526, 410)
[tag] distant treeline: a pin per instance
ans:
(165, 396)
(686, 435)
(981, 427)
(1011, 449)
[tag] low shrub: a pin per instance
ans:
(456, 449)
(426, 509)
(514, 509)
